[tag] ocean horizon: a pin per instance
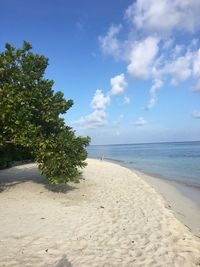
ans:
(172, 161)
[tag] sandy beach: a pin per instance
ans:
(111, 218)
(184, 207)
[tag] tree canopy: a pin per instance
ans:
(30, 119)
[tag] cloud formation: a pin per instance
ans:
(118, 84)
(157, 84)
(97, 118)
(109, 43)
(154, 48)
(141, 57)
(100, 101)
(150, 41)
(164, 16)
(94, 120)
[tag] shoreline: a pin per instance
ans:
(184, 208)
(153, 174)
(184, 200)
(112, 218)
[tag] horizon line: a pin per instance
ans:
(145, 143)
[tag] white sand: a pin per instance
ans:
(112, 218)
(184, 208)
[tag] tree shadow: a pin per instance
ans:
(29, 172)
(63, 262)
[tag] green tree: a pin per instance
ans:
(30, 122)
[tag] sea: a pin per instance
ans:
(177, 161)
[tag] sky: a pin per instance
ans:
(131, 67)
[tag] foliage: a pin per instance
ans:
(30, 120)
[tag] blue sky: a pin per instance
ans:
(131, 67)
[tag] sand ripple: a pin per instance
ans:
(112, 218)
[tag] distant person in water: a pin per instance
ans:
(102, 158)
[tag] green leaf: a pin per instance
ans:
(30, 117)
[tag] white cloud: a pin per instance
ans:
(164, 16)
(141, 57)
(100, 101)
(177, 69)
(196, 64)
(180, 68)
(126, 100)
(98, 117)
(154, 48)
(109, 43)
(99, 104)
(140, 121)
(196, 114)
(153, 93)
(94, 120)
(118, 84)
(196, 71)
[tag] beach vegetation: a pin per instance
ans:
(30, 117)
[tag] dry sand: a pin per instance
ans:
(112, 218)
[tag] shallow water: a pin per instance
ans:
(178, 161)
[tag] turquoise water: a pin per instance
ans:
(179, 162)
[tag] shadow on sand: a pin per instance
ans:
(63, 262)
(29, 172)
